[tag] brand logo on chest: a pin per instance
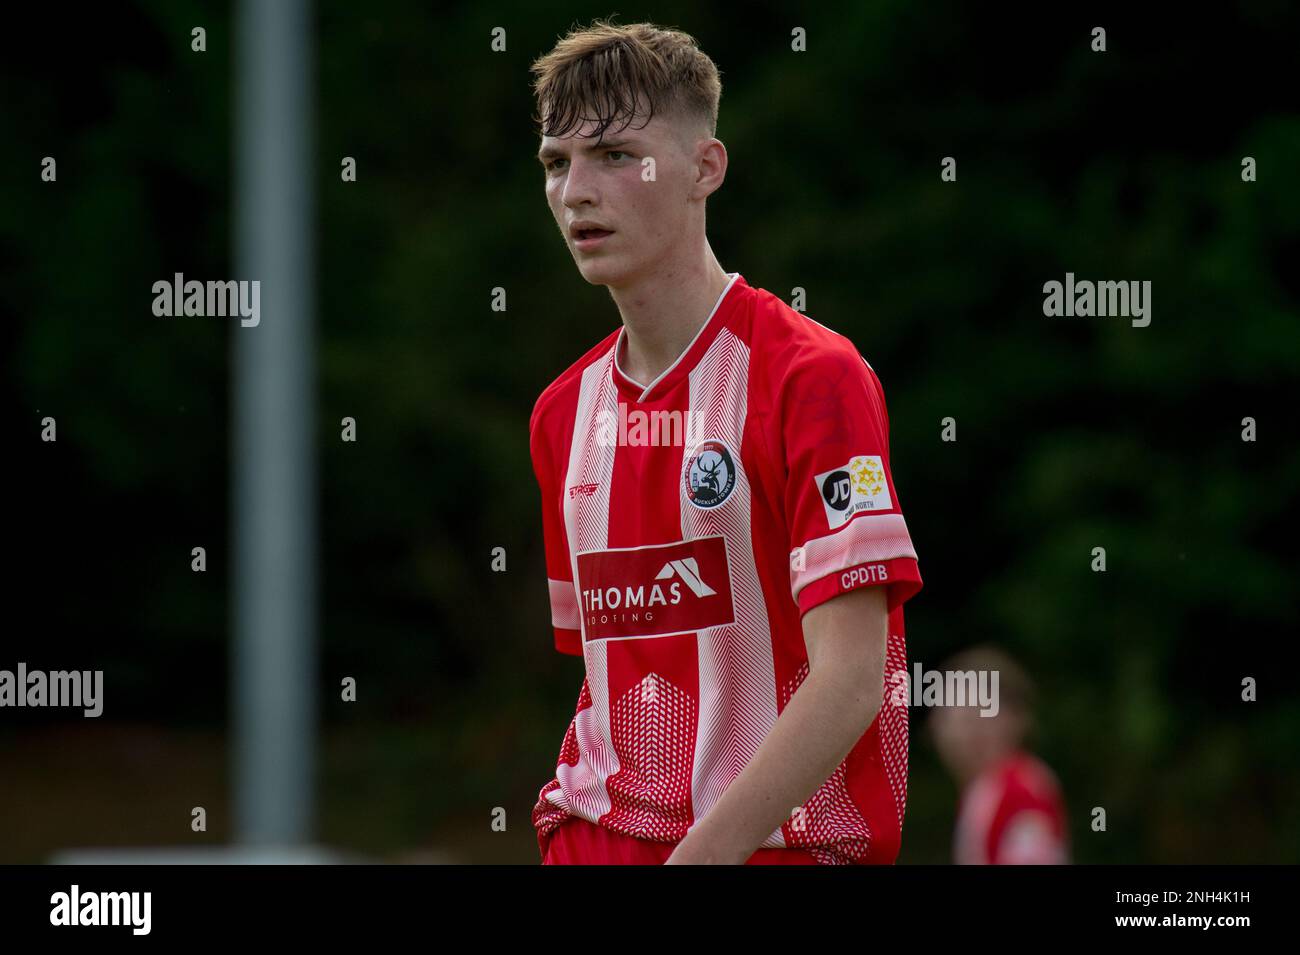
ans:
(649, 591)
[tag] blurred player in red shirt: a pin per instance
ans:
(1011, 811)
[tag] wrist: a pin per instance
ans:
(708, 843)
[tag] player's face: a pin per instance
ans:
(968, 742)
(632, 189)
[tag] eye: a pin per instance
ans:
(553, 166)
(615, 154)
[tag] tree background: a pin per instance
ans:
(1072, 433)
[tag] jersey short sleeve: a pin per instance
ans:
(846, 526)
(559, 573)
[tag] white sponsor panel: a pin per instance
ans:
(858, 486)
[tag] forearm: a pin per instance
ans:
(823, 720)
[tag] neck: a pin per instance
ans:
(664, 311)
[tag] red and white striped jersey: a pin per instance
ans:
(689, 523)
(1013, 813)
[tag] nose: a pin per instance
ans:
(579, 184)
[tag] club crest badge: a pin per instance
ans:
(709, 475)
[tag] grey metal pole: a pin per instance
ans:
(273, 442)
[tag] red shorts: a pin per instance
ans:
(579, 842)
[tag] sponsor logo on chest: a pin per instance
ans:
(651, 591)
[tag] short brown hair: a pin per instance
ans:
(1015, 686)
(607, 72)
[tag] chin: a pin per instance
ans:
(600, 272)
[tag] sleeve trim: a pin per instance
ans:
(564, 605)
(866, 538)
(900, 577)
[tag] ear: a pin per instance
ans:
(710, 167)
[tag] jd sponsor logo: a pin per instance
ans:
(858, 486)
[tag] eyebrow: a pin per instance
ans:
(553, 152)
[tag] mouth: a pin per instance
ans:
(585, 240)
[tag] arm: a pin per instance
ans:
(827, 715)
